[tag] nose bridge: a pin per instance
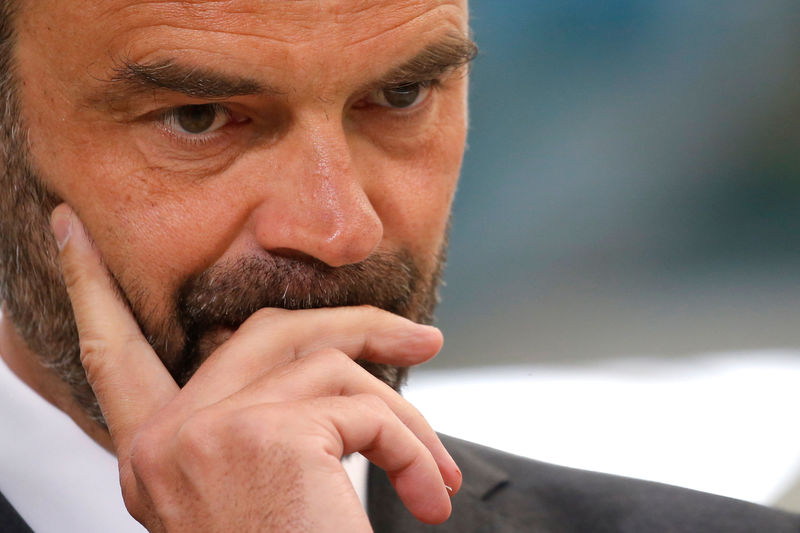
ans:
(323, 210)
(330, 181)
(328, 157)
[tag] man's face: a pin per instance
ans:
(231, 155)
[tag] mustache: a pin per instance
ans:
(226, 294)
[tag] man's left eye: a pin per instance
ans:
(197, 119)
(405, 96)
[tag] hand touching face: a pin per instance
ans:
(254, 440)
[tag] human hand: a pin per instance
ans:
(254, 440)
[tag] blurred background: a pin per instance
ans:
(624, 273)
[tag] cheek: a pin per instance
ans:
(156, 241)
(152, 226)
(413, 192)
(153, 230)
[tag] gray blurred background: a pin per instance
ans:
(632, 183)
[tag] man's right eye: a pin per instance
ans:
(197, 119)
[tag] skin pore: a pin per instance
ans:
(330, 146)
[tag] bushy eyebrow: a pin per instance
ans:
(439, 58)
(130, 79)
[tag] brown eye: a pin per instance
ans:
(197, 119)
(402, 96)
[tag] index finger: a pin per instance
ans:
(272, 337)
(127, 377)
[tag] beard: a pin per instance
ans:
(220, 298)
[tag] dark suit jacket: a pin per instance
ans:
(10, 521)
(503, 493)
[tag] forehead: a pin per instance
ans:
(113, 23)
(281, 20)
(281, 39)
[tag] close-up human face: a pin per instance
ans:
(227, 156)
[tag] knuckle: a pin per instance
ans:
(373, 404)
(329, 358)
(324, 367)
(195, 441)
(255, 430)
(146, 456)
(92, 349)
(250, 424)
(96, 350)
(133, 498)
(130, 489)
(145, 477)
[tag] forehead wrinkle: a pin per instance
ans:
(178, 15)
(360, 8)
(222, 31)
(289, 21)
(401, 22)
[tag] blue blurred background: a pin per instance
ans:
(632, 184)
(624, 275)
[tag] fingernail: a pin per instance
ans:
(62, 228)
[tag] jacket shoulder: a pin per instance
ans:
(546, 497)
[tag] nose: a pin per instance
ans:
(317, 206)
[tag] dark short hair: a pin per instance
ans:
(7, 9)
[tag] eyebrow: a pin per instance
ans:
(130, 79)
(435, 60)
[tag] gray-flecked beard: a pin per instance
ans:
(225, 295)
(36, 301)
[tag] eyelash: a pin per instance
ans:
(402, 113)
(204, 139)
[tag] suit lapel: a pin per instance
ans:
(10, 520)
(472, 508)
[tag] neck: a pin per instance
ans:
(28, 367)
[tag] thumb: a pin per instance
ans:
(126, 375)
